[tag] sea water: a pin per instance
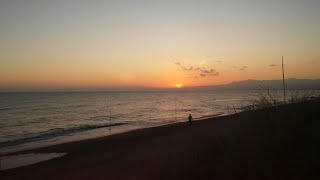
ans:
(34, 119)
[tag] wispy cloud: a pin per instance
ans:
(183, 67)
(187, 69)
(203, 72)
(242, 68)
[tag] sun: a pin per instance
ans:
(179, 85)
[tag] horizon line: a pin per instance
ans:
(135, 88)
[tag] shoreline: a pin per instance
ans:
(44, 148)
(41, 146)
(262, 144)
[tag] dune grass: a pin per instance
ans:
(272, 98)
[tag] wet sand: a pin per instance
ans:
(276, 143)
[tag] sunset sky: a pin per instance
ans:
(135, 43)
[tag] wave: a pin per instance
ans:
(211, 116)
(5, 109)
(188, 110)
(222, 100)
(99, 118)
(55, 133)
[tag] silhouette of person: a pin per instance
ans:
(190, 118)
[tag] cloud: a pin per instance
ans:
(187, 69)
(203, 72)
(272, 65)
(183, 67)
(215, 74)
(243, 68)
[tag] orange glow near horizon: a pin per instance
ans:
(165, 45)
(179, 85)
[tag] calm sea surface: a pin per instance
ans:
(30, 120)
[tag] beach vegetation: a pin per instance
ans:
(271, 98)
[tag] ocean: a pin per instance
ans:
(36, 119)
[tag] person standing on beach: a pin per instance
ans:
(190, 118)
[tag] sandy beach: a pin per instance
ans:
(277, 143)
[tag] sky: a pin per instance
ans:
(47, 44)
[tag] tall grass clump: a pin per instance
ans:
(264, 98)
(267, 98)
(298, 96)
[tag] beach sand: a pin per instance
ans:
(276, 143)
